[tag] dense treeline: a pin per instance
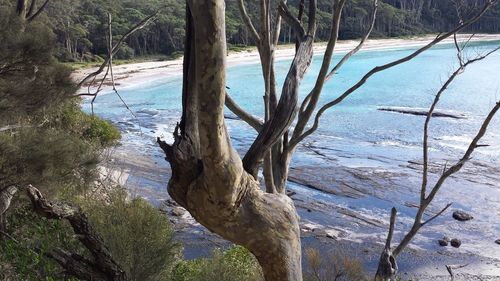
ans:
(80, 25)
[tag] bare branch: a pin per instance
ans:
(392, 222)
(285, 112)
(437, 215)
(32, 8)
(466, 157)
(387, 265)
(248, 22)
(425, 201)
(320, 80)
(35, 15)
(104, 263)
(251, 120)
(377, 69)
(117, 46)
(347, 56)
(291, 20)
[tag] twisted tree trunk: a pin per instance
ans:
(208, 177)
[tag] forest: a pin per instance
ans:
(80, 25)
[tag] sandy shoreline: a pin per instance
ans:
(324, 225)
(135, 74)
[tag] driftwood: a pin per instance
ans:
(421, 112)
(6, 195)
(103, 266)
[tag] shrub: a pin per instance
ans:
(338, 266)
(24, 258)
(138, 235)
(235, 263)
(101, 131)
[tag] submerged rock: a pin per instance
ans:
(455, 243)
(444, 242)
(178, 211)
(462, 216)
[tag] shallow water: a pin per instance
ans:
(366, 148)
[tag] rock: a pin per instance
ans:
(455, 243)
(497, 241)
(332, 233)
(462, 216)
(178, 211)
(443, 242)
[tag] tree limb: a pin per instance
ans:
(35, 15)
(320, 80)
(104, 267)
(291, 20)
(346, 57)
(425, 145)
(117, 46)
(387, 265)
(251, 120)
(377, 69)
(285, 112)
(437, 215)
(248, 22)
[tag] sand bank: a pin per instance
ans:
(135, 74)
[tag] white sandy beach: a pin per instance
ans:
(134, 74)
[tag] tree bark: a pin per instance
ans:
(208, 177)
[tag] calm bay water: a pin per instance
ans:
(356, 137)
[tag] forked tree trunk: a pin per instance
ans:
(208, 177)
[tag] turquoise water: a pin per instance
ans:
(366, 148)
(356, 120)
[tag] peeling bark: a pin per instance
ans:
(208, 178)
(103, 266)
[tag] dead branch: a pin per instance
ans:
(450, 267)
(425, 145)
(284, 114)
(251, 120)
(362, 81)
(32, 16)
(447, 172)
(387, 265)
(425, 199)
(104, 267)
(291, 20)
(347, 56)
(248, 22)
(437, 214)
(117, 46)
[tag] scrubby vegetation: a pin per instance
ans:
(235, 263)
(138, 235)
(80, 26)
(336, 266)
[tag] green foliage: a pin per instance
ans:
(235, 263)
(81, 25)
(138, 235)
(31, 81)
(24, 258)
(101, 131)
